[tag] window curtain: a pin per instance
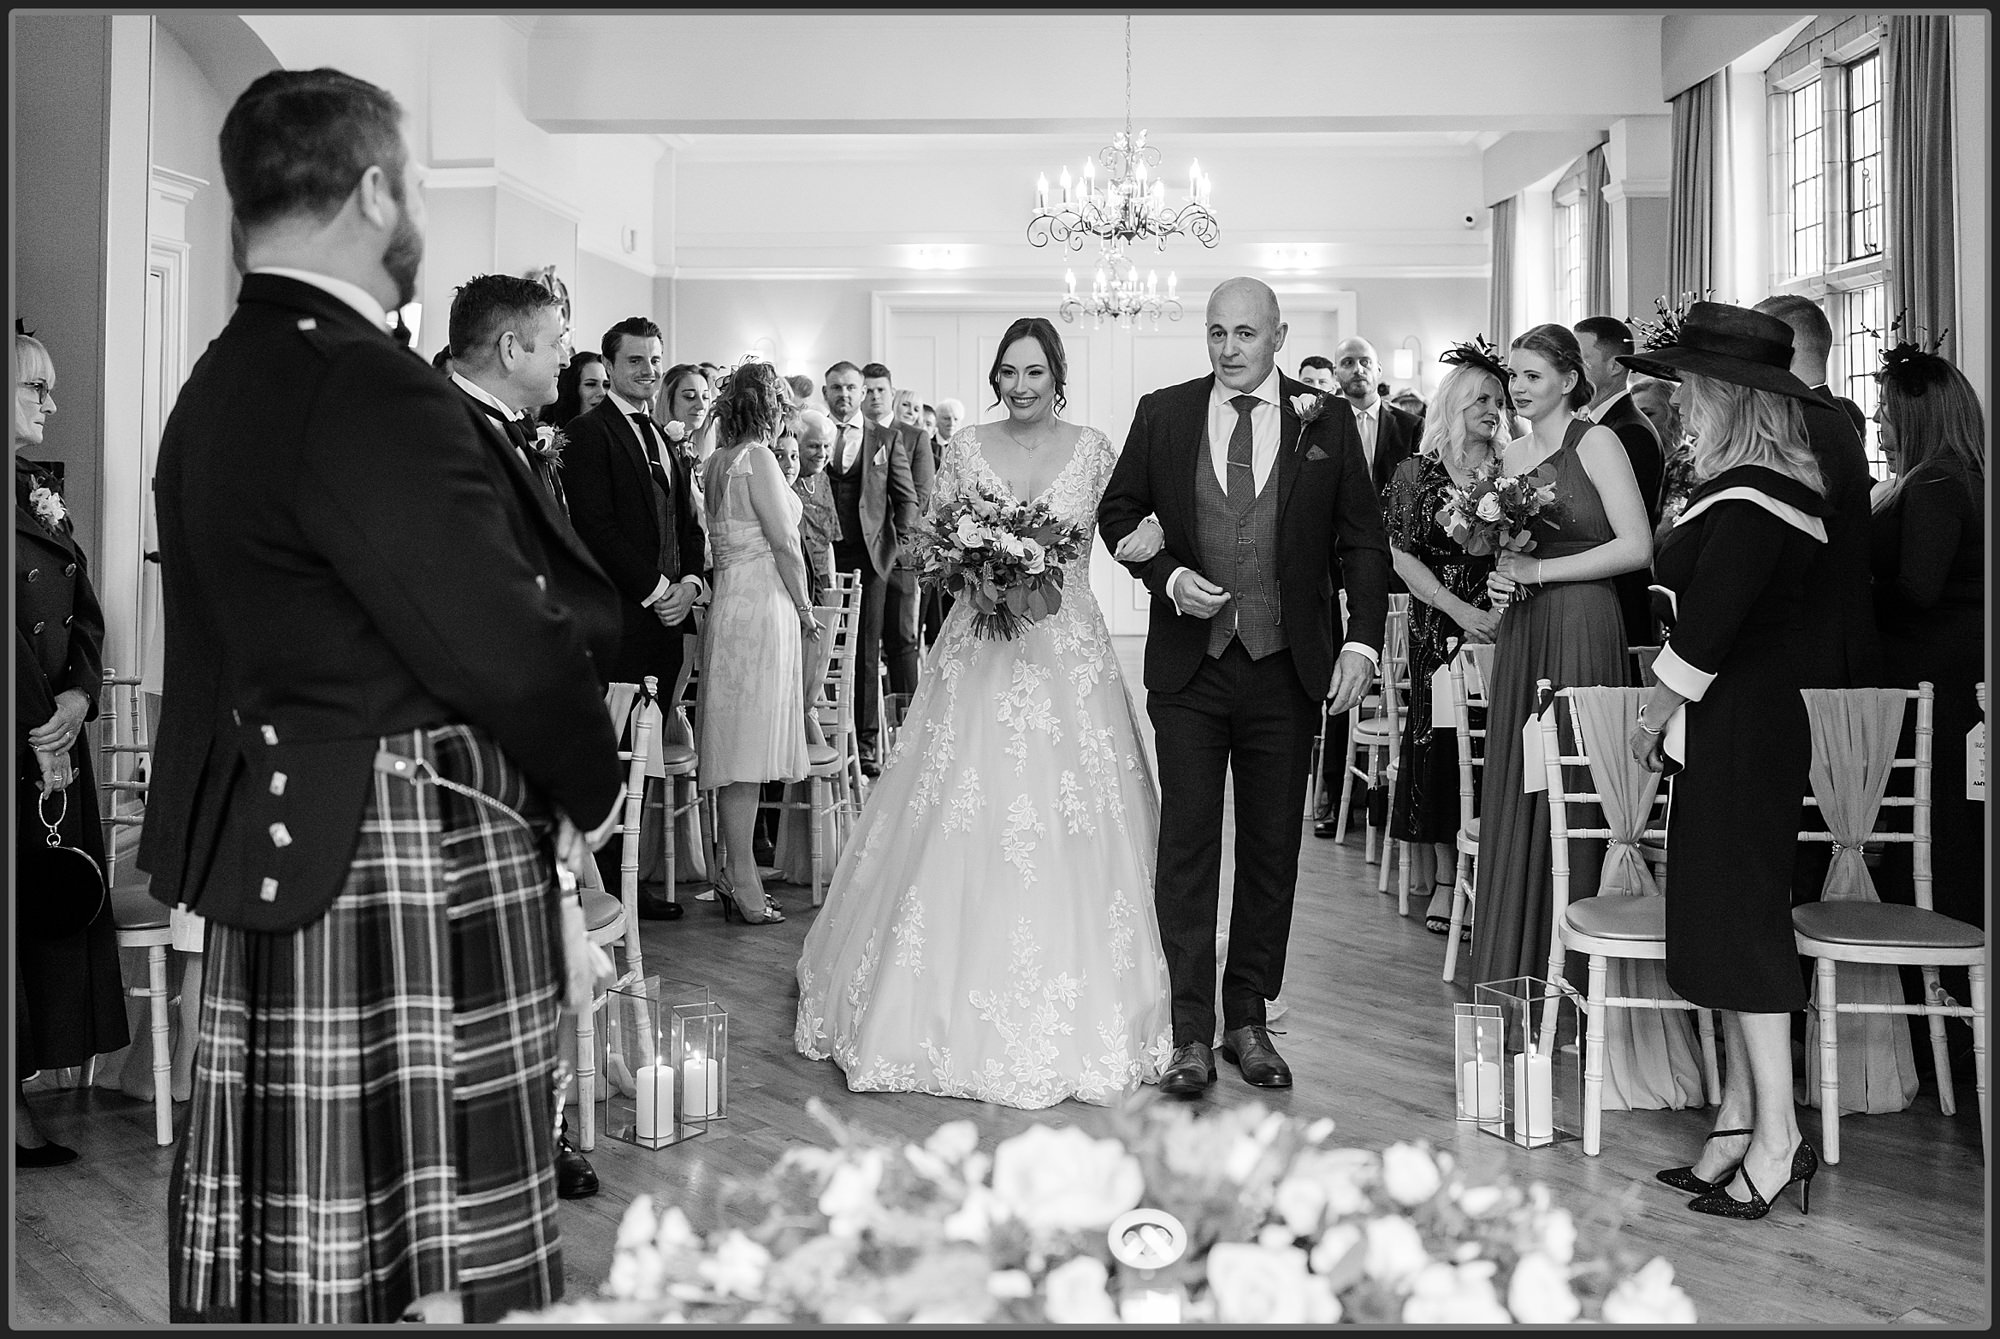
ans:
(1917, 141)
(1691, 189)
(1596, 224)
(1500, 318)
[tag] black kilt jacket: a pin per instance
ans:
(346, 554)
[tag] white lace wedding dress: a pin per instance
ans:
(989, 932)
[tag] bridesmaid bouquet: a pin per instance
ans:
(1244, 1217)
(1002, 557)
(1493, 511)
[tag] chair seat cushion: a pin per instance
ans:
(1470, 831)
(1637, 919)
(822, 755)
(600, 909)
(1375, 730)
(133, 907)
(1887, 924)
(676, 757)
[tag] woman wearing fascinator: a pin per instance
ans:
(1464, 430)
(1928, 554)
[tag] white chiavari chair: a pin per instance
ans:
(832, 794)
(1374, 731)
(1470, 669)
(1395, 677)
(1851, 926)
(1609, 925)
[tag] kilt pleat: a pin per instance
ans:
(373, 1104)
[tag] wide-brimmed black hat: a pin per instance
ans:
(1733, 344)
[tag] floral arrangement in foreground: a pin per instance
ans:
(1277, 1226)
(1492, 511)
(1002, 557)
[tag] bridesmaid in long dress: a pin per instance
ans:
(1562, 623)
(754, 730)
(1448, 602)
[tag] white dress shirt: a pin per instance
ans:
(507, 415)
(354, 295)
(1368, 422)
(646, 443)
(1266, 432)
(847, 439)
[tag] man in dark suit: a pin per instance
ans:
(875, 497)
(936, 600)
(1602, 339)
(1838, 620)
(378, 719)
(1263, 511)
(902, 632)
(513, 336)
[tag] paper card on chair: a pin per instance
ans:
(1975, 763)
(1534, 771)
(1443, 701)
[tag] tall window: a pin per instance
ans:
(1568, 220)
(1827, 213)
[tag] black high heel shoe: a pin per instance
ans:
(733, 912)
(1683, 1178)
(1805, 1166)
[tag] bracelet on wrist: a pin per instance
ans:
(1649, 729)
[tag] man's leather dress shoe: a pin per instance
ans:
(1249, 1049)
(1191, 1070)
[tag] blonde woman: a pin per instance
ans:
(1463, 432)
(1737, 560)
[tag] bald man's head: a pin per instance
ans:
(1357, 371)
(1245, 332)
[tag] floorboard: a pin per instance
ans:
(1897, 1233)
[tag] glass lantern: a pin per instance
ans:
(1477, 1031)
(1536, 1047)
(645, 1097)
(701, 1031)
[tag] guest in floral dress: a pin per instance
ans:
(1448, 603)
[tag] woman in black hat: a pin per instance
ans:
(1736, 561)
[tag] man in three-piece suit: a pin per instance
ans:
(1602, 339)
(875, 497)
(379, 717)
(1263, 513)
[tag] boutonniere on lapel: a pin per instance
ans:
(675, 431)
(46, 506)
(1309, 407)
(549, 443)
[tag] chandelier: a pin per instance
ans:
(1128, 206)
(1116, 293)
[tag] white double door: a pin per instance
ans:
(943, 345)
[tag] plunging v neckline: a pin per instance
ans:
(1074, 452)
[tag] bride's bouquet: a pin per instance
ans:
(1002, 557)
(1493, 511)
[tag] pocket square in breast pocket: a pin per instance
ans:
(1316, 454)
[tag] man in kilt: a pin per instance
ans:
(382, 728)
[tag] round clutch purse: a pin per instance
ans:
(59, 890)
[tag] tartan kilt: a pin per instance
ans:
(373, 1108)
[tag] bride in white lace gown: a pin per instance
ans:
(989, 932)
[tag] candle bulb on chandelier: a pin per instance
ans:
(1069, 282)
(1159, 193)
(1173, 283)
(1041, 192)
(1153, 282)
(1194, 180)
(1065, 186)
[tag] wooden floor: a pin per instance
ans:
(1897, 1233)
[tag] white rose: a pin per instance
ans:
(1559, 1236)
(1334, 1245)
(1320, 1130)
(1478, 1201)
(969, 536)
(1649, 1297)
(637, 1274)
(1076, 1293)
(637, 1226)
(1300, 1201)
(675, 1230)
(848, 1199)
(1011, 546)
(1009, 1284)
(1395, 1249)
(1539, 1293)
(927, 1164)
(1444, 1294)
(1489, 507)
(675, 430)
(1342, 1174)
(973, 1220)
(1059, 1179)
(738, 1266)
(1409, 1174)
(1264, 1285)
(954, 1141)
(1037, 556)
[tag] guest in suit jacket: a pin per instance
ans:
(1262, 513)
(875, 497)
(378, 718)
(937, 601)
(1388, 434)
(634, 505)
(902, 641)
(1602, 339)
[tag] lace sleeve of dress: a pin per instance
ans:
(951, 468)
(1403, 510)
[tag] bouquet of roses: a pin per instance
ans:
(1002, 557)
(1492, 512)
(1245, 1217)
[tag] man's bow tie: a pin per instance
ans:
(515, 428)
